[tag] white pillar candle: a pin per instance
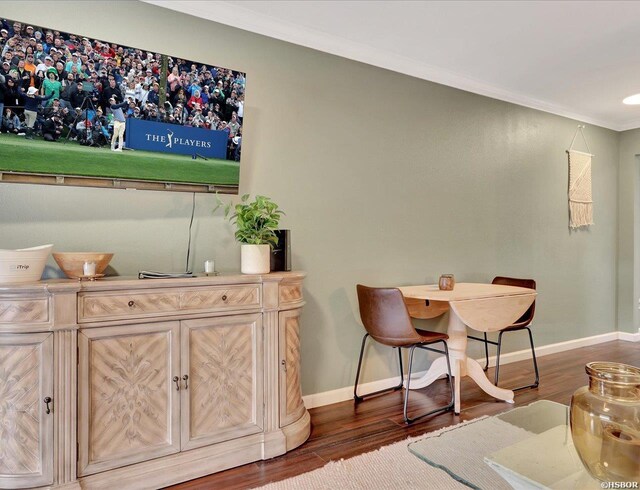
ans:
(209, 266)
(89, 268)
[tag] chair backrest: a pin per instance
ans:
(385, 316)
(525, 319)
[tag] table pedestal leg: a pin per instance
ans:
(456, 385)
(476, 373)
(437, 370)
(461, 366)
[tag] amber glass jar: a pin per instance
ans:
(605, 421)
(446, 282)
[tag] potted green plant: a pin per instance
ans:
(256, 222)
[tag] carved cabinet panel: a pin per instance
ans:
(128, 401)
(26, 429)
(223, 391)
(291, 403)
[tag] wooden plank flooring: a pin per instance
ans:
(344, 430)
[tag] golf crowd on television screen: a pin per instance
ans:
(57, 85)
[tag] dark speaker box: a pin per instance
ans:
(281, 253)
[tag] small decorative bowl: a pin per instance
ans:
(82, 265)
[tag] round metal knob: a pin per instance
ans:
(224, 297)
(131, 303)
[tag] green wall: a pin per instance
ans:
(629, 231)
(386, 180)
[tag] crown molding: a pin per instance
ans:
(242, 18)
(629, 125)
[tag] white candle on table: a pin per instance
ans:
(89, 268)
(209, 266)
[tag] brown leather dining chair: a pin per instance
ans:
(522, 323)
(386, 319)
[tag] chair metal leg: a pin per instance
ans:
(535, 364)
(406, 391)
(449, 375)
(536, 383)
(486, 351)
(399, 386)
(355, 386)
(495, 381)
(401, 370)
(408, 420)
(486, 342)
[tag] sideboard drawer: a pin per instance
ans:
(104, 306)
(221, 298)
(115, 306)
(24, 310)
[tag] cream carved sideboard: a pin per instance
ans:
(127, 383)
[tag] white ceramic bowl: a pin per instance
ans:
(24, 264)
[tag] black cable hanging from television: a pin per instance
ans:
(193, 210)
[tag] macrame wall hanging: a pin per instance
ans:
(580, 197)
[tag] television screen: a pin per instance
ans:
(83, 111)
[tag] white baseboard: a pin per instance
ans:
(346, 393)
(545, 350)
(629, 337)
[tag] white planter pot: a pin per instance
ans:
(255, 259)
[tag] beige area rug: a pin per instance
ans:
(460, 447)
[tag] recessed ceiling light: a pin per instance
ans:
(632, 100)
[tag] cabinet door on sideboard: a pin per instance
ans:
(222, 396)
(128, 401)
(291, 403)
(26, 410)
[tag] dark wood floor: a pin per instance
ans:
(344, 430)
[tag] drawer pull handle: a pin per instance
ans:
(48, 400)
(186, 381)
(284, 365)
(131, 304)
(176, 380)
(224, 297)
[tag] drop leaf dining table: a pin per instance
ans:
(483, 307)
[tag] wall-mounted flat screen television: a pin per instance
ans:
(83, 111)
